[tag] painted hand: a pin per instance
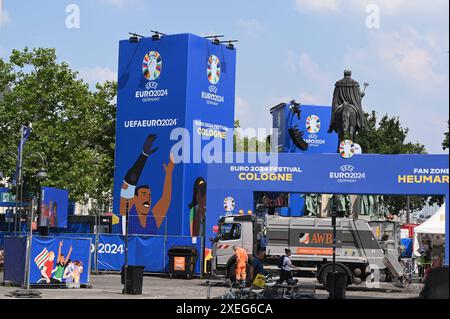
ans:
(170, 166)
(148, 144)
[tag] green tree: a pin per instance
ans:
(388, 136)
(72, 127)
(246, 144)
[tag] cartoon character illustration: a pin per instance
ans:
(68, 272)
(61, 263)
(45, 261)
(78, 270)
(198, 207)
(72, 273)
(138, 200)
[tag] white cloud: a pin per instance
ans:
(250, 26)
(5, 18)
(242, 108)
(120, 4)
(398, 6)
(241, 103)
(308, 98)
(97, 75)
(317, 5)
(306, 68)
(386, 6)
(413, 57)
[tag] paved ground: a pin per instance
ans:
(108, 286)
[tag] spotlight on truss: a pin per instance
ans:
(215, 38)
(134, 37)
(156, 35)
(230, 43)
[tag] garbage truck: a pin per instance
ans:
(358, 253)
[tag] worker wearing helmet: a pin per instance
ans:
(241, 264)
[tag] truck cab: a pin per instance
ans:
(238, 231)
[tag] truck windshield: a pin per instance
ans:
(230, 231)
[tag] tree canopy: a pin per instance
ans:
(388, 136)
(72, 126)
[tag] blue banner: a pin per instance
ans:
(54, 207)
(325, 174)
(148, 251)
(61, 260)
(15, 259)
(24, 134)
(110, 252)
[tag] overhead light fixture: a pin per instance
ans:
(295, 108)
(134, 37)
(215, 38)
(230, 43)
(42, 173)
(156, 35)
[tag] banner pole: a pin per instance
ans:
(34, 202)
(125, 268)
(165, 244)
(18, 181)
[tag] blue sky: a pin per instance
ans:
(288, 49)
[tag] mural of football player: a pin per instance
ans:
(143, 219)
(198, 208)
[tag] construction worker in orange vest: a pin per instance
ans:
(241, 265)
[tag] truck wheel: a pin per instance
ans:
(324, 273)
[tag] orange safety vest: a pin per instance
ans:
(241, 256)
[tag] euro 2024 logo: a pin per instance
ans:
(152, 65)
(151, 70)
(313, 124)
(213, 69)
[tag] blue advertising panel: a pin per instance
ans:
(60, 260)
(148, 251)
(110, 252)
(328, 174)
(174, 95)
(15, 259)
(54, 207)
(314, 122)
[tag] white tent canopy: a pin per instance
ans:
(433, 227)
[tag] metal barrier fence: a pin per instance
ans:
(150, 251)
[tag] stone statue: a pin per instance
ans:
(341, 205)
(368, 206)
(312, 204)
(373, 206)
(347, 117)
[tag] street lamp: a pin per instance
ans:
(41, 174)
